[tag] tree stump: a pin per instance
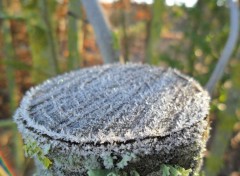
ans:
(130, 117)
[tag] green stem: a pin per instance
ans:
(7, 123)
(74, 59)
(155, 30)
(9, 55)
(50, 36)
(41, 38)
(124, 30)
(18, 149)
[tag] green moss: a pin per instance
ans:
(32, 149)
(169, 170)
(125, 159)
(111, 168)
(165, 170)
(102, 172)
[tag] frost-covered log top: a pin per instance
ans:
(114, 103)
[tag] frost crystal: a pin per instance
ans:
(159, 115)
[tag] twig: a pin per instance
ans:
(74, 58)
(18, 150)
(9, 56)
(7, 123)
(46, 16)
(124, 29)
(38, 20)
(102, 30)
(229, 47)
(154, 31)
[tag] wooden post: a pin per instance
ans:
(115, 117)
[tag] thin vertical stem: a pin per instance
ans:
(50, 36)
(155, 30)
(124, 30)
(41, 38)
(74, 59)
(9, 55)
(19, 152)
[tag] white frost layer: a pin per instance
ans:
(114, 103)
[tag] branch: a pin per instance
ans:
(229, 47)
(101, 28)
(152, 57)
(74, 58)
(46, 16)
(8, 56)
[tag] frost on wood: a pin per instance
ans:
(93, 118)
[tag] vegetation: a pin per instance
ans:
(165, 170)
(40, 39)
(32, 150)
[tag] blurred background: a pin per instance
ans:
(41, 38)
